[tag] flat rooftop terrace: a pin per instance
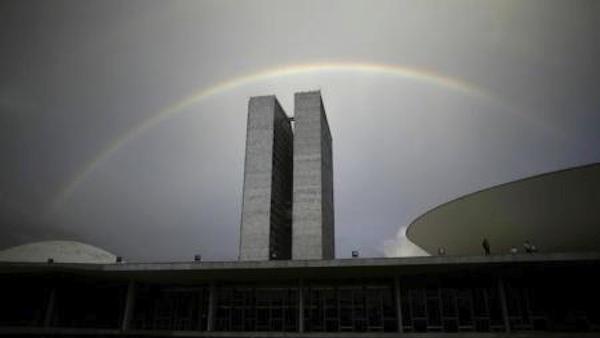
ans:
(293, 269)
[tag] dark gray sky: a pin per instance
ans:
(427, 101)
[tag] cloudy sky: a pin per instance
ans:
(122, 123)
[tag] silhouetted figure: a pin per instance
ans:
(529, 248)
(486, 246)
(441, 251)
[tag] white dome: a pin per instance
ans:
(59, 251)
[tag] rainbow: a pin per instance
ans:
(408, 73)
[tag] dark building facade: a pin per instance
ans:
(552, 295)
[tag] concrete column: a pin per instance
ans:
(212, 307)
(503, 304)
(129, 304)
(300, 306)
(398, 297)
(50, 307)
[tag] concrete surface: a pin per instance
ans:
(557, 211)
(313, 209)
(59, 251)
(265, 230)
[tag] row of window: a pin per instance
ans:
(336, 306)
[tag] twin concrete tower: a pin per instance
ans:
(287, 207)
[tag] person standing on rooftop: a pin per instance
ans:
(486, 246)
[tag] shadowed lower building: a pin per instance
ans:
(267, 192)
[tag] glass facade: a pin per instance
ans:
(538, 298)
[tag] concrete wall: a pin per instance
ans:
(265, 180)
(313, 220)
(287, 170)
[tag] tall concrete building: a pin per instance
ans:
(267, 193)
(287, 209)
(313, 215)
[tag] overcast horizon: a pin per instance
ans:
(123, 123)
